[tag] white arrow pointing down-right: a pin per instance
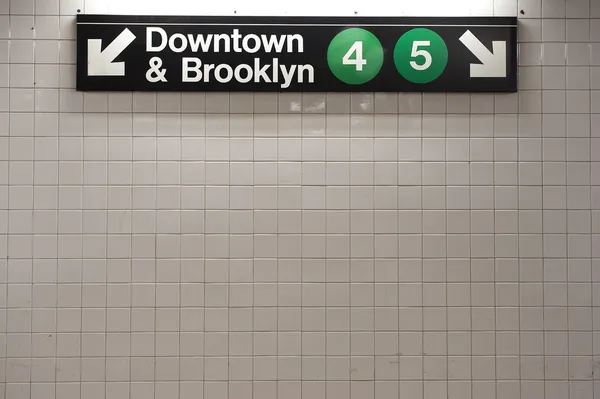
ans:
(493, 63)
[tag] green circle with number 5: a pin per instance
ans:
(420, 55)
(355, 56)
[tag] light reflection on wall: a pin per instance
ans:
(305, 7)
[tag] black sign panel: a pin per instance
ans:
(325, 54)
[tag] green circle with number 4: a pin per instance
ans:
(355, 56)
(421, 55)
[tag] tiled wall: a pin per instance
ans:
(300, 246)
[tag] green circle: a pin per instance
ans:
(420, 55)
(346, 61)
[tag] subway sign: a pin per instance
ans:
(277, 54)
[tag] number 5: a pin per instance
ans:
(423, 53)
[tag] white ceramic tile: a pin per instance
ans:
(5, 32)
(21, 7)
(554, 9)
(71, 7)
(554, 30)
(22, 27)
(578, 54)
(578, 30)
(47, 51)
(67, 52)
(554, 54)
(67, 76)
(46, 7)
(47, 27)
(21, 100)
(46, 76)
(67, 27)
(578, 78)
(531, 54)
(579, 9)
(21, 51)
(21, 75)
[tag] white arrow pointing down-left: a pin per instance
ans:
(100, 63)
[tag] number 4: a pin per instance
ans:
(423, 53)
(358, 60)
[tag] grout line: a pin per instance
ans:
(422, 283)
(470, 260)
(590, 99)
(31, 303)
(204, 263)
(131, 230)
(518, 259)
(302, 282)
(182, 235)
(228, 310)
(253, 333)
(156, 241)
(542, 260)
(58, 135)
(374, 243)
(446, 241)
(6, 285)
(107, 253)
(397, 243)
(350, 282)
(325, 283)
(566, 236)
(495, 212)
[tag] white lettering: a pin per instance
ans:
(226, 42)
(236, 40)
(227, 69)
(200, 41)
(173, 45)
(290, 43)
(275, 70)
(150, 47)
(287, 75)
(207, 69)
(270, 42)
(260, 73)
(157, 40)
(246, 45)
(309, 69)
(238, 76)
(195, 69)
